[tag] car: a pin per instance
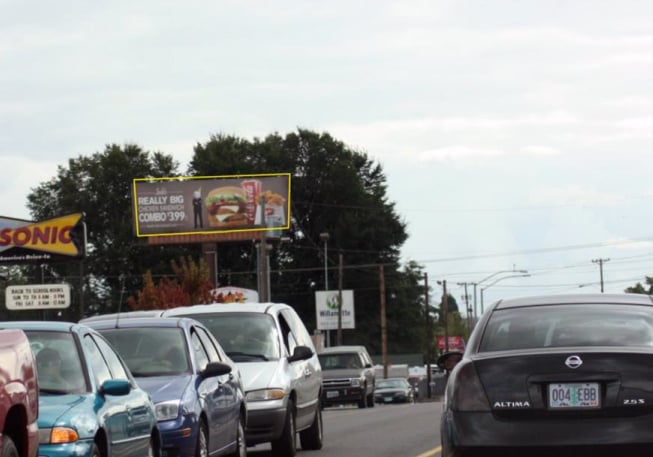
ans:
(19, 396)
(553, 374)
(349, 376)
(89, 403)
(280, 369)
(195, 386)
(394, 390)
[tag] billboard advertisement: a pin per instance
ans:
(456, 343)
(326, 309)
(61, 238)
(211, 204)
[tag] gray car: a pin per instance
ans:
(348, 376)
(280, 370)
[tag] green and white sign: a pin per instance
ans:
(326, 309)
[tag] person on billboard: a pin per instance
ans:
(197, 208)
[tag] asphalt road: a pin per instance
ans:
(402, 430)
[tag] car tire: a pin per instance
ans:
(311, 438)
(286, 444)
(152, 450)
(96, 451)
(362, 403)
(202, 446)
(241, 446)
(8, 447)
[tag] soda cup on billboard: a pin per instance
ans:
(252, 188)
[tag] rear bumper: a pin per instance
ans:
(484, 430)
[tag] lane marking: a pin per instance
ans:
(432, 452)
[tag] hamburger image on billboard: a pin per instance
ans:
(227, 207)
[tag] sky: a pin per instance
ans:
(515, 135)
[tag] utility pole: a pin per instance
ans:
(601, 262)
(445, 307)
(339, 336)
(470, 317)
(429, 335)
(384, 324)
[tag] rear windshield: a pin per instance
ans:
(615, 325)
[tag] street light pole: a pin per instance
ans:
(496, 281)
(490, 277)
(324, 236)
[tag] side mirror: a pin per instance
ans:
(116, 387)
(215, 369)
(449, 360)
(301, 353)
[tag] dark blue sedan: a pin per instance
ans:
(89, 404)
(195, 386)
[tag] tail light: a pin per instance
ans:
(467, 392)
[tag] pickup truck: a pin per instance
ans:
(19, 396)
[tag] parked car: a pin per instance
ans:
(89, 403)
(19, 396)
(349, 376)
(195, 387)
(280, 369)
(394, 390)
(576, 369)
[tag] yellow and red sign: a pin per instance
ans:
(24, 241)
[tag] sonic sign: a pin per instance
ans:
(326, 309)
(62, 238)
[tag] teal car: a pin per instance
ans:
(89, 403)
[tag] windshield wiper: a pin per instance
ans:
(246, 354)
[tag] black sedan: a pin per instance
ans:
(393, 390)
(563, 374)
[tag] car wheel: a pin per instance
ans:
(362, 403)
(241, 445)
(96, 451)
(202, 447)
(8, 447)
(152, 451)
(286, 444)
(311, 438)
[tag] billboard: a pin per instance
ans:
(61, 238)
(326, 309)
(456, 343)
(211, 204)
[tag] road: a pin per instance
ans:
(383, 431)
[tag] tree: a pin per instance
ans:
(639, 288)
(335, 189)
(190, 286)
(100, 187)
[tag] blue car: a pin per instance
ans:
(195, 386)
(89, 403)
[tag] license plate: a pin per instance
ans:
(332, 393)
(387, 400)
(574, 395)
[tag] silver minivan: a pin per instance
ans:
(279, 366)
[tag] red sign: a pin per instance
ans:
(456, 343)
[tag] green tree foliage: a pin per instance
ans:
(337, 190)
(640, 289)
(99, 186)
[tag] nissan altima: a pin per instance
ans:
(554, 374)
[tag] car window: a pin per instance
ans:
(210, 347)
(245, 337)
(100, 368)
(58, 362)
(562, 325)
(201, 357)
(115, 365)
(340, 361)
(150, 351)
(287, 336)
(297, 328)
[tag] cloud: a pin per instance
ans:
(575, 195)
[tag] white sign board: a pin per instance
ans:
(37, 296)
(326, 309)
